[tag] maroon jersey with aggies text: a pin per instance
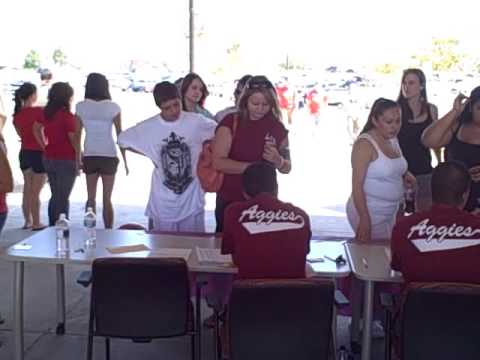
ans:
(267, 238)
(441, 245)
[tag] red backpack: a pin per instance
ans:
(211, 179)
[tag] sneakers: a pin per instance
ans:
(378, 332)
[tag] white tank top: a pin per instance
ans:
(384, 178)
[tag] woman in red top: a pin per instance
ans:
(56, 133)
(31, 154)
(253, 134)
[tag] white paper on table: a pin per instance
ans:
(170, 253)
(212, 256)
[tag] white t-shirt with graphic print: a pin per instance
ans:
(97, 119)
(174, 148)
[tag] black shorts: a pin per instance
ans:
(102, 165)
(31, 159)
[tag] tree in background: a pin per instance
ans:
(59, 57)
(32, 60)
(444, 55)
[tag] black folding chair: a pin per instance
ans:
(435, 322)
(140, 299)
(280, 319)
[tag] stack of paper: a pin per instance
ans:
(127, 249)
(170, 253)
(212, 256)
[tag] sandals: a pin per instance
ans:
(41, 227)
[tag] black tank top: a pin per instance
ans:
(418, 156)
(469, 155)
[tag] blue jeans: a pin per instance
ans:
(3, 218)
(61, 178)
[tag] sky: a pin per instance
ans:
(108, 33)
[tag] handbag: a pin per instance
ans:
(211, 179)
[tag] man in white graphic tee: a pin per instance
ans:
(443, 244)
(266, 237)
(172, 140)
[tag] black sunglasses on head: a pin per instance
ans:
(259, 83)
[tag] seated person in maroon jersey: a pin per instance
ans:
(443, 244)
(266, 237)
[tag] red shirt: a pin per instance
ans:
(247, 145)
(313, 105)
(441, 245)
(267, 238)
(282, 98)
(56, 130)
(23, 121)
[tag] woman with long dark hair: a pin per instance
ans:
(31, 154)
(98, 114)
(379, 174)
(459, 132)
(417, 115)
(56, 133)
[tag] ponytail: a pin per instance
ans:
(25, 91)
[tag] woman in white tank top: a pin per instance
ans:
(379, 174)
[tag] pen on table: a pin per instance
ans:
(364, 262)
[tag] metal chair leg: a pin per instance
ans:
(193, 346)
(90, 347)
(90, 331)
(198, 318)
(334, 332)
(388, 336)
(107, 348)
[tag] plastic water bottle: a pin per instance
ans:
(62, 227)
(90, 222)
(409, 194)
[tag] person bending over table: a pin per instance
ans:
(379, 174)
(172, 140)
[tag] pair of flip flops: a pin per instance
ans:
(39, 228)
